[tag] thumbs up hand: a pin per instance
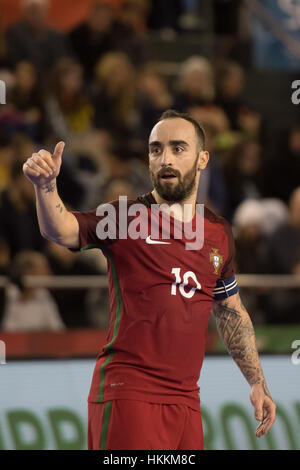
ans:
(42, 167)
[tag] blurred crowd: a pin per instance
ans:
(94, 88)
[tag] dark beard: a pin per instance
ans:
(179, 192)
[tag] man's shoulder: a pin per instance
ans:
(123, 201)
(214, 218)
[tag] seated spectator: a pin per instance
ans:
(153, 98)
(283, 179)
(2, 47)
(114, 95)
(69, 110)
(94, 37)
(4, 257)
(119, 187)
(19, 225)
(131, 27)
(103, 32)
(250, 241)
(283, 257)
(230, 82)
(6, 158)
(29, 308)
(134, 15)
(284, 244)
(71, 302)
(26, 96)
(212, 191)
(254, 222)
(32, 40)
(243, 174)
(165, 15)
(196, 84)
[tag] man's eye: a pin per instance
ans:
(178, 149)
(156, 150)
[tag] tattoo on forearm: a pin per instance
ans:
(59, 207)
(49, 188)
(236, 329)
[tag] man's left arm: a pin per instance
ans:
(236, 330)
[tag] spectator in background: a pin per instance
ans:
(2, 47)
(134, 15)
(4, 259)
(114, 96)
(196, 84)
(284, 245)
(243, 174)
(165, 15)
(153, 98)
(70, 187)
(230, 81)
(29, 308)
(18, 214)
(71, 302)
(251, 244)
(283, 257)
(119, 187)
(226, 25)
(6, 159)
(212, 191)
(254, 223)
(26, 97)
(103, 31)
(94, 37)
(69, 110)
(282, 176)
(32, 40)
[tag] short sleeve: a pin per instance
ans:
(98, 228)
(226, 284)
(87, 222)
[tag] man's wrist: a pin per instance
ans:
(261, 383)
(48, 187)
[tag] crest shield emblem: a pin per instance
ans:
(216, 259)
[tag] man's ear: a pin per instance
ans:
(203, 159)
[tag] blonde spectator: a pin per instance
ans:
(115, 94)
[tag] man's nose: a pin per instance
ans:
(166, 157)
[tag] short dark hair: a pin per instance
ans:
(172, 114)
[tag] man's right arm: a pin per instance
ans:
(55, 221)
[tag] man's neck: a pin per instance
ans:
(183, 210)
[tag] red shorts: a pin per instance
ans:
(134, 425)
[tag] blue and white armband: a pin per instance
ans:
(225, 288)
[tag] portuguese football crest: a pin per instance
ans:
(216, 259)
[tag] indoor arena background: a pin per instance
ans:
(98, 75)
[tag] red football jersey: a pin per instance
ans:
(160, 301)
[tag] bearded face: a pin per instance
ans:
(172, 186)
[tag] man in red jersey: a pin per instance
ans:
(144, 392)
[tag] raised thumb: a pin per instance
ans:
(58, 151)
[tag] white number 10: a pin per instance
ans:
(186, 276)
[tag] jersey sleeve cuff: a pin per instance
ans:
(82, 231)
(225, 288)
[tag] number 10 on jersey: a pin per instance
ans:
(184, 282)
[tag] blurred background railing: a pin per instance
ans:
(87, 328)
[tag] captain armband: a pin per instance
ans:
(225, 288)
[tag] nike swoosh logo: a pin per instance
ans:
(156, 242)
